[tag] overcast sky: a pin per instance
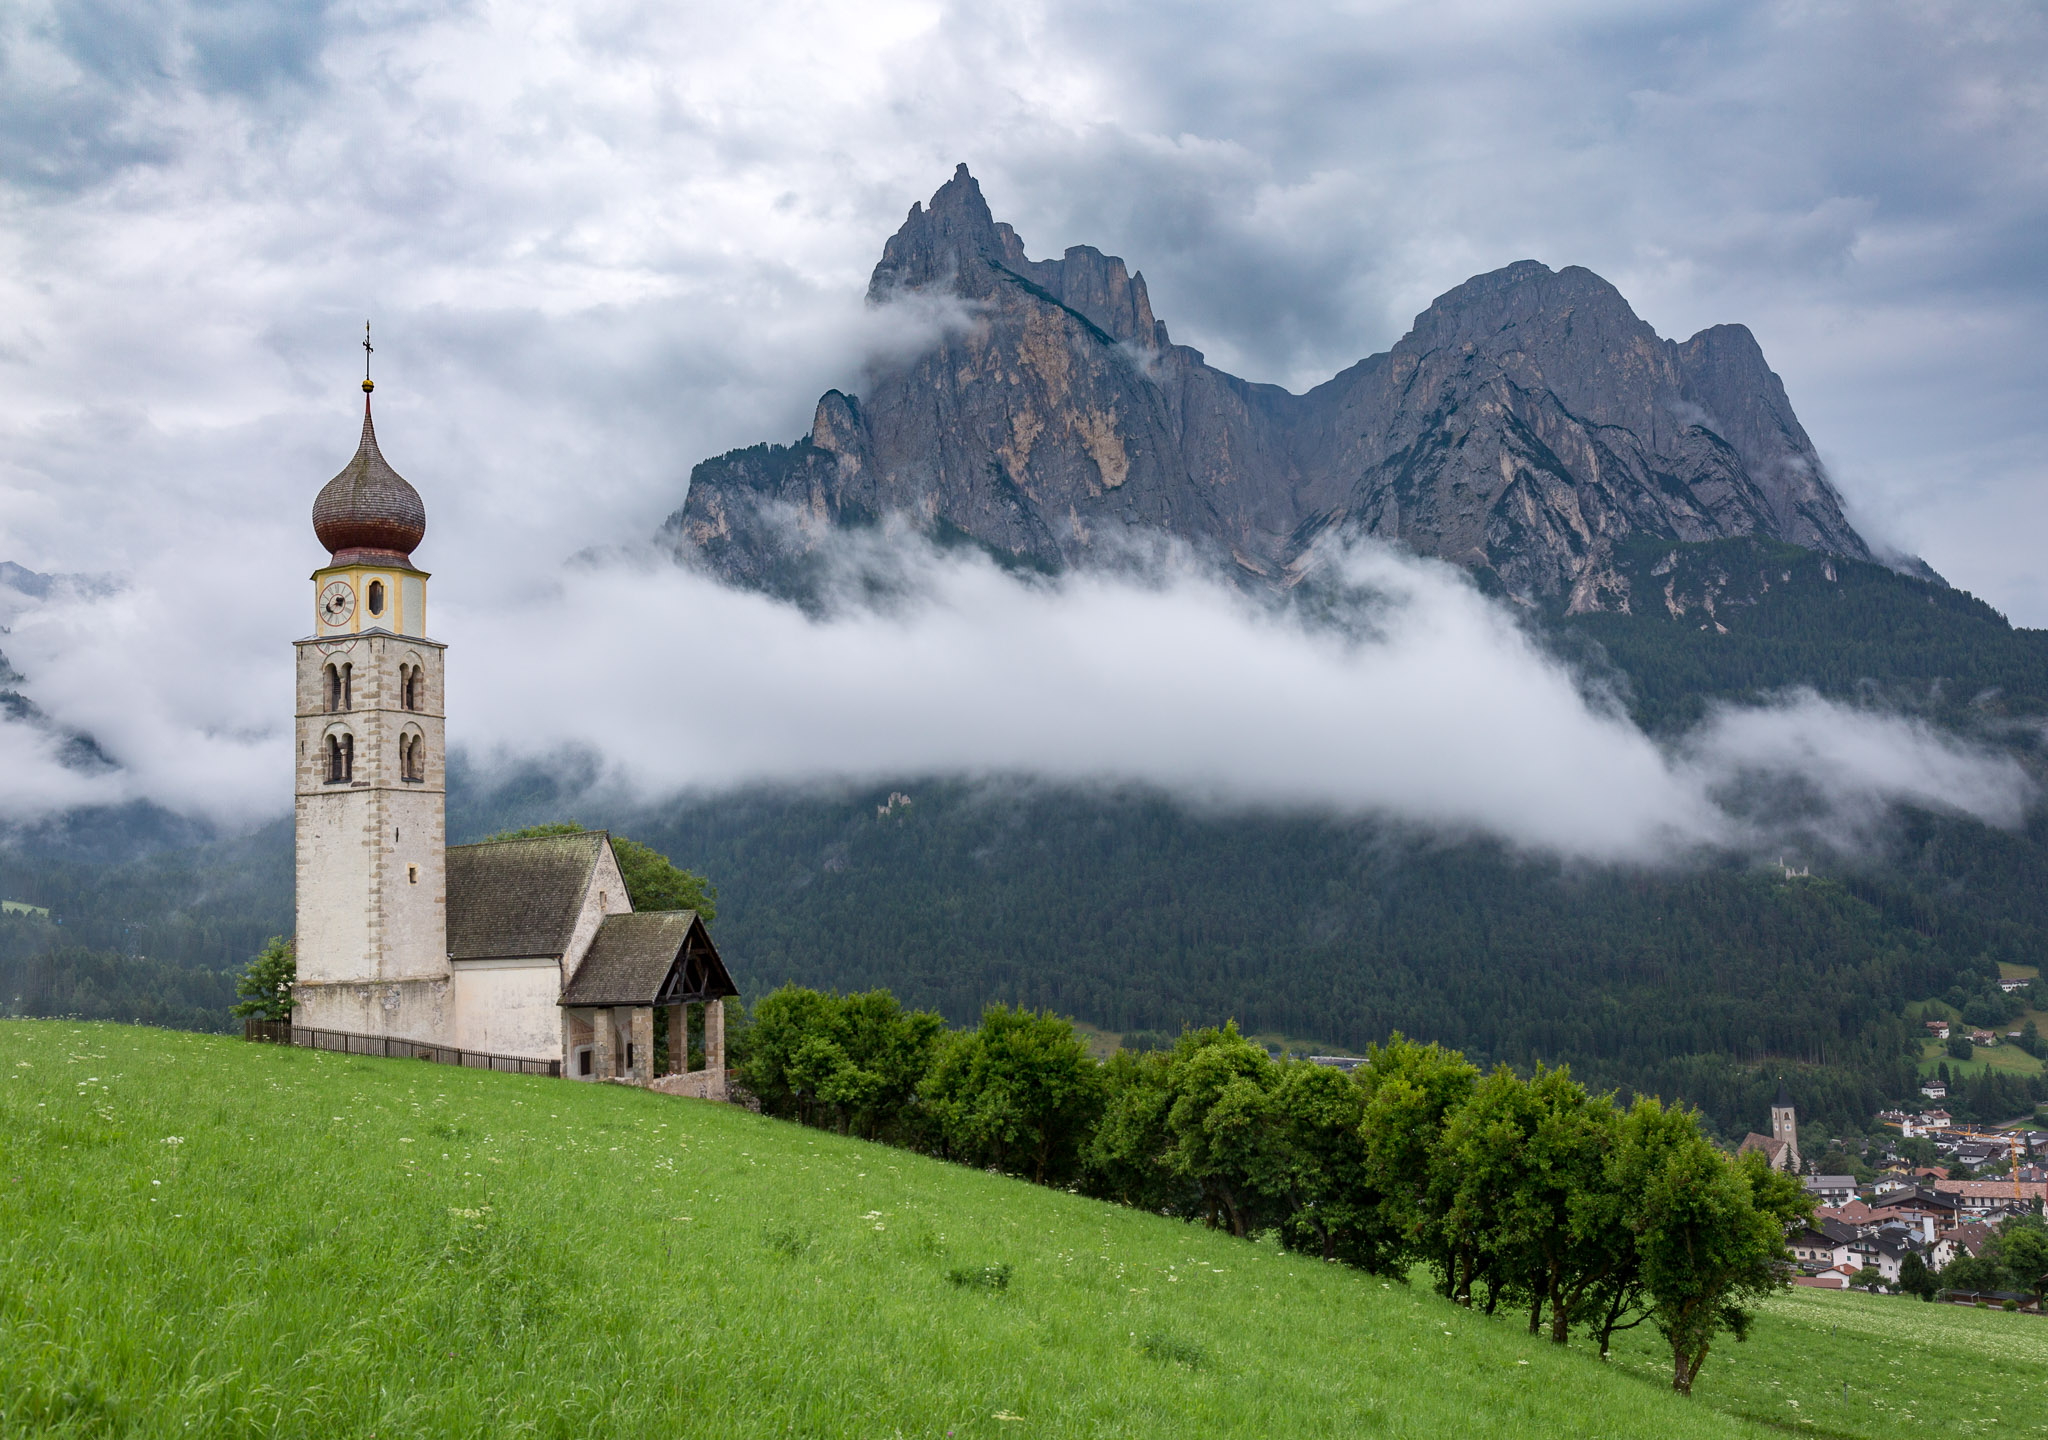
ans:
(600, 242)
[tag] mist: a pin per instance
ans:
(1417, 699)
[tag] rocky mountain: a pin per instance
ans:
(1528, 423)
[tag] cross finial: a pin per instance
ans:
(368, 350)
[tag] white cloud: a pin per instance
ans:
(1428, 703)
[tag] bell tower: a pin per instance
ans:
(1785, 1123)
(371, 785)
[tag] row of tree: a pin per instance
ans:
(1528, 1193)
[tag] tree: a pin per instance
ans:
(1409, 1089)
(1019, 1094)
(1516, 1159)
(1712, 1237)
(1868, 1278)
(1125, 1159)
(1329, 1206)
(266, 985)
(653, 881)
(2030, 1040)
(1959, 1047)
(1976, 1273)
(2022, 1246)
(852, 1063)
(1649, 1135)
(1915, 1278)
(1221, 1126)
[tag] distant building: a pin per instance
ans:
(1933, 1090)
(1831, 1189)
(1983, 1037)
(2008, 986)
(1988, 1197)
(1781, 1147)
(1939, 1029)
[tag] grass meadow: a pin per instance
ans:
(206, 1237)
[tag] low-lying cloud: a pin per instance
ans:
(1431, 705)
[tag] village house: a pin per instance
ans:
(2008, 986)
(522, 955)
(1823, 1245)
(1831, 1189)
(1932, 1089)
(1926, 1121)
(1983, 1037)
(1978, 1198)
(1938, 1029)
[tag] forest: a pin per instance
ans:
(1125, 909)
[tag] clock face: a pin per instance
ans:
(337, 602)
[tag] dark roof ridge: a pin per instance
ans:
(527, 839)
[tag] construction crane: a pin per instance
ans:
(1970, 1132)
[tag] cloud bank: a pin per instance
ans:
(1430, 706)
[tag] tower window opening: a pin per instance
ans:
(376, 597)
(348, 687)
(411, 685)
(341, 759)
(332, 678)
(412, 874)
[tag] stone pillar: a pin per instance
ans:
(640, 1027)
(603, 1041)
(714, 1034)
(678, 1039)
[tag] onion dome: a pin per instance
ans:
(368, 511)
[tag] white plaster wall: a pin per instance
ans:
(606, 896)
(507, 1007)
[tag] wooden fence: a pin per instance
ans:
(389, 1048)
(272, 1032)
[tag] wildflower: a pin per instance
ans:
(174, 1139)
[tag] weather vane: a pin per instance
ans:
(368, 350)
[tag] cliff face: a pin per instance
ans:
(1527, 423)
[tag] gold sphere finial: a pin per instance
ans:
(369, 385)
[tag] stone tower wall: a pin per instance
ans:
(371, 851)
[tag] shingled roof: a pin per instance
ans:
(656, 957)
(510, 898)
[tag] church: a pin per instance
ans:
(522, 955)
(1781, 1147)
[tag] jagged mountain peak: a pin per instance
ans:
(1527, 423)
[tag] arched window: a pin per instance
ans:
(376, 597)
(348, 687)
(412, 758)
(411, 682)
(341, 758)
(331, 678)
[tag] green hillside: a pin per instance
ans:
(203, 1237)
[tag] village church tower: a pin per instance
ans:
(371, 783)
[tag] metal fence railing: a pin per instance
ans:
(391, 1048)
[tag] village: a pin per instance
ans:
(1920, 1229)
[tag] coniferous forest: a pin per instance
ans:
(1126, 910)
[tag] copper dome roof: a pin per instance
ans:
(368, 511)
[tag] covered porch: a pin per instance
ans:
(640, 967)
